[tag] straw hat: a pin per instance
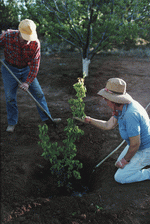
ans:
(115, 91)
(27, 29)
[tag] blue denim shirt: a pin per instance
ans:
(133, 120)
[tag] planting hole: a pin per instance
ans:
(41, 183)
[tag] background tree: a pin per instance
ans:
(94, 25)
(89, 25)
(9, 14)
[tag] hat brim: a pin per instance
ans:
(27, 37)
(116, 98)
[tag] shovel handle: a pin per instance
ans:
(110, 154)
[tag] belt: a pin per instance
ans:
(16, 66)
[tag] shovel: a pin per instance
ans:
(38, 104)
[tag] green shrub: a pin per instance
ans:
(63, 165)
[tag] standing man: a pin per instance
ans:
(22, 56)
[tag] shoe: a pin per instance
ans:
(10, 128)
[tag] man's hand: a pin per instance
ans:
(121, 164)
(24, 86)
(85, 119)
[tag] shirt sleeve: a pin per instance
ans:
(133, 125)
(34, 63)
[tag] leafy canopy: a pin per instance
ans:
(92, 25)
(89, 25)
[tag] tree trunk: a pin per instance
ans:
(85, 64)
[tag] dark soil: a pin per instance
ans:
(29, 193)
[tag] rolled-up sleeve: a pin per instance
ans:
(34, 62)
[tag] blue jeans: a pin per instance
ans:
(11, 86)
(134, 171)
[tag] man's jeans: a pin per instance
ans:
(133, 171)
(11, 86)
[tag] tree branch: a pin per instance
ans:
(73, 27)
(70, 42)
(85, 50)
(94, 51)
(60, 19)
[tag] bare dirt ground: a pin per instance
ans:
(29, 194)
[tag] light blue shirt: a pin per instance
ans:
(133, 120)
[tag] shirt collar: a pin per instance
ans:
(122, 113)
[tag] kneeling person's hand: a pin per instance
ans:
(121, 163)
(85, 119)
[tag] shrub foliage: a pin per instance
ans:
(63, 164)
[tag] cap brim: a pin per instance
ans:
(32, 37)
(121, 98)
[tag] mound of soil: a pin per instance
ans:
(29, 193)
